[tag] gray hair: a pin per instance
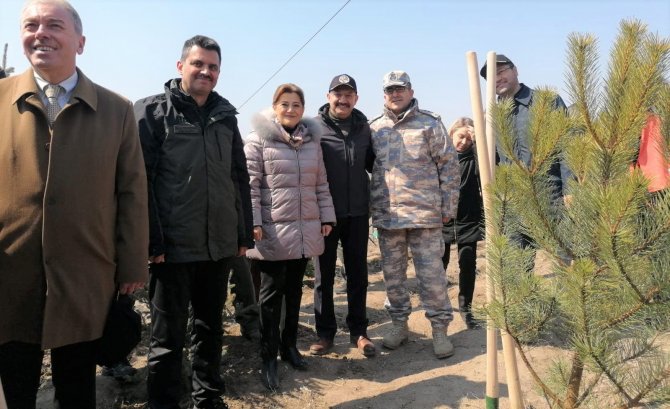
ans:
(78, 26)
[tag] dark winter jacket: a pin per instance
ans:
(199, 200)
(289, 191)
(347, 159)
(469, 223)
(559, 173)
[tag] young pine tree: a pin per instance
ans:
(607, 296)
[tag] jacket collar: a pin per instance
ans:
(467, 154)
(26, 88)
(216, 106)
(409, 112)
(264, 125)
(523, 96)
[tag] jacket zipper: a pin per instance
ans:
(347, 158)
(302, 236)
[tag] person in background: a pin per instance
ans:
(414, 191)
(73, 211)
(198, 200)
(509, 87)
(347, 154)
(292, 213)
(245, 301)
(466, 230)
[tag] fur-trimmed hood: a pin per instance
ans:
(264, 126)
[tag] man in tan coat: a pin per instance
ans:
(73, 211)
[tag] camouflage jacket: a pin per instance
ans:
(415, 177)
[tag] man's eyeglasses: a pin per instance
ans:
(391, 90)
(500, 71)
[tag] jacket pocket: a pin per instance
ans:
(185, 129)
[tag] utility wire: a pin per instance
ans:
(294, 54)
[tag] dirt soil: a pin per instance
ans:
(409, 377)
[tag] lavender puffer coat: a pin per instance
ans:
(290, 198)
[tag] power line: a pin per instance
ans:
(294, 54)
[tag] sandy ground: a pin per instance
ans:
(409, 377)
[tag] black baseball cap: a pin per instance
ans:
(343, 80)
(500, 59)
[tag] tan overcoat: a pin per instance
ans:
(73, 211)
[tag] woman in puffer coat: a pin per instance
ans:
(293, 211)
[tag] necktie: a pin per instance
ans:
(52, 92)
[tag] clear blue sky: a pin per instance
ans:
(132, 45)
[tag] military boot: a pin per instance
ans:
(442, 347)
(397, 335)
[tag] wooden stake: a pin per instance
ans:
(485, 142)
(485, 173)
(511, 371)
(509, 346)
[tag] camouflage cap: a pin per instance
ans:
(343, 80)
(396, 78)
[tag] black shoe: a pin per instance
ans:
(212, 404)
(471, 322)
(122, 372)
(293, 357)
(269, 375)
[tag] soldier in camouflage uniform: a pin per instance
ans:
(415, 185)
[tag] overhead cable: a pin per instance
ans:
(294, 54)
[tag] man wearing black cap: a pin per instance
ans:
(508, 86)
(507, 81)
(347, 154)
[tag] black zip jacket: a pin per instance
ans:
(199, 196)
(348, 161)
(469, 224)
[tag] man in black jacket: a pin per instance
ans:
(200, 218)
(347, 154)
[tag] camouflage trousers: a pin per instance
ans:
(427, 247)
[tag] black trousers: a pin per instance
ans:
(72, 374)
(353, 233)
(467, 271)
(246, 306)
(172, 287)
(280, 281)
